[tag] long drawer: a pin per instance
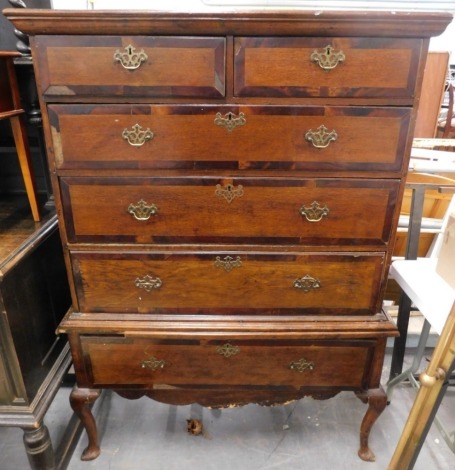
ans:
(131, 66)
(229, 137)
(228, 282)
(143, 362)
(207, 209)
(326, 67)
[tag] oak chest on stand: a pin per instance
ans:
(228, 188)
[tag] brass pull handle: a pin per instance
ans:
(228, 263)
(301, 365)
(315, 212)
(130, 59)
(152, 363)
(137, 136)
(228, 350)
(148, 283)
(328, 58)
(229, 192)
(321, 138)
(307, 283)
(142, 211)
(230, 121)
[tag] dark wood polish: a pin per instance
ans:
(224, 292)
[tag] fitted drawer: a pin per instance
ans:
(229, 137)
(208, 209)
(227, 282)
(111, 360)
(326, 67)
(131, 66)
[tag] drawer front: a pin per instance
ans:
(145, 362)
(228, 282)
(208, 210)
(229, 137)
(326, 67)
(131, 66)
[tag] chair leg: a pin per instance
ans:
(408, 374)
(23, 152)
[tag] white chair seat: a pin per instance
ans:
(434, 298)
(429, 292)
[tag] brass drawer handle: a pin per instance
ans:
(228, 263)
(228, 350)
(321, 138)
(137, 136)
(230, 121)
(148, 283)
(328, 58)
(307, 283)
(152, 363)
(130, 59)
(301, 365)
(229, 192)
(141, 210)
(315, 212)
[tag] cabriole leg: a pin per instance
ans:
(80, 400)
(377, 401)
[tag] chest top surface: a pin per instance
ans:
(271, 23)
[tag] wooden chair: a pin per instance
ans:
(446, 127)
(10, 108)
(434, 208)
(432, 94)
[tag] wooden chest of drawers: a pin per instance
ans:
(228, 197)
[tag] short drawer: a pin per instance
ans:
(207, 209)
(228, 282)
(147, 66)
(146, 362)
(326, 67)
(229, 137)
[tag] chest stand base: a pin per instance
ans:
(82, 399)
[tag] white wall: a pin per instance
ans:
(185, 5)
(447, 5)
(445, 42)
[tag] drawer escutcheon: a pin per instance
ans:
(230, 121)
(148, 283)
(230, 192)
(307, 283)
(321, 138)
(301, 365)
(130, 59)
(153, 363)
(137, 136)
(315, 212)
(228, 350)
(228, 263)
(141, 210)
(328, 58)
